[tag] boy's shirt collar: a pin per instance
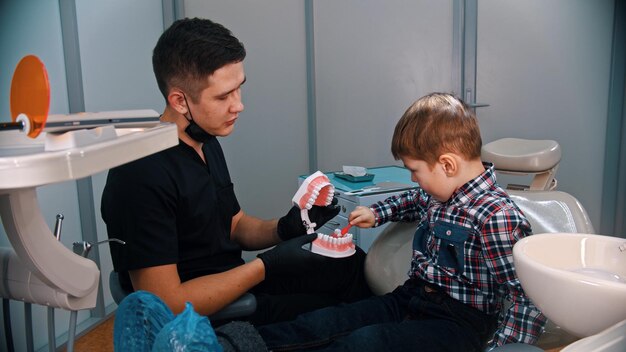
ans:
(475, 187)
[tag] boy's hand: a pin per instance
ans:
(362, 217)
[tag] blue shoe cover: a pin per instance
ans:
(188, 332)
(138, 320)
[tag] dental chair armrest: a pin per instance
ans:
(117, 291)
(242, 307)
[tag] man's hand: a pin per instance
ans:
(289, 258)
(291, 225)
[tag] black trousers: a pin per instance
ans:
(337, 280)
(414, 317)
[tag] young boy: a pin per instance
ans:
(462, 266)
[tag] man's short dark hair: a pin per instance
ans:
(191, 50)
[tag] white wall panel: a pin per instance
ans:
(268, 149)
(544, 67)
(116, 41)
(373, 59)
(29, 27)
(32, 27)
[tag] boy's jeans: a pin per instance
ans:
(413, 317)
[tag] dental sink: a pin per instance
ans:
(577, 280)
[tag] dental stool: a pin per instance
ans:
(516, 156)
(388, 259)
(242, 307)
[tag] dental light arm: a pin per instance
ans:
(39, 269)
(42, 270)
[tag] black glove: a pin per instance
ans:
(292, 225)
(289, 258)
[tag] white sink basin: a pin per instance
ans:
(577, 280)
(612, 339)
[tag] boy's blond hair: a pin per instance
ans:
(436, 124)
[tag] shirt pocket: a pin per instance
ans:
(451, 246)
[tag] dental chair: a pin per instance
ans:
(515, 156)
(242, 307)
(388, 259)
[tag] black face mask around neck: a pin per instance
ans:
(197, 133)
(194, 131)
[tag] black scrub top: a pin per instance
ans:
(172, 208)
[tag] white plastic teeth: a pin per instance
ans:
(315, 193)
(335, 240)
(315, 190)
(332, 246)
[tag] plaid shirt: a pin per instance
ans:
(465, 247)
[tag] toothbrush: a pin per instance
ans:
(344, 231)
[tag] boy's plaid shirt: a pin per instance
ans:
(467, 250)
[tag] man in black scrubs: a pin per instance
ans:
(178, 213)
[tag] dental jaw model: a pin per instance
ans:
(318, 190)
(315, 190)
(335, 245)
